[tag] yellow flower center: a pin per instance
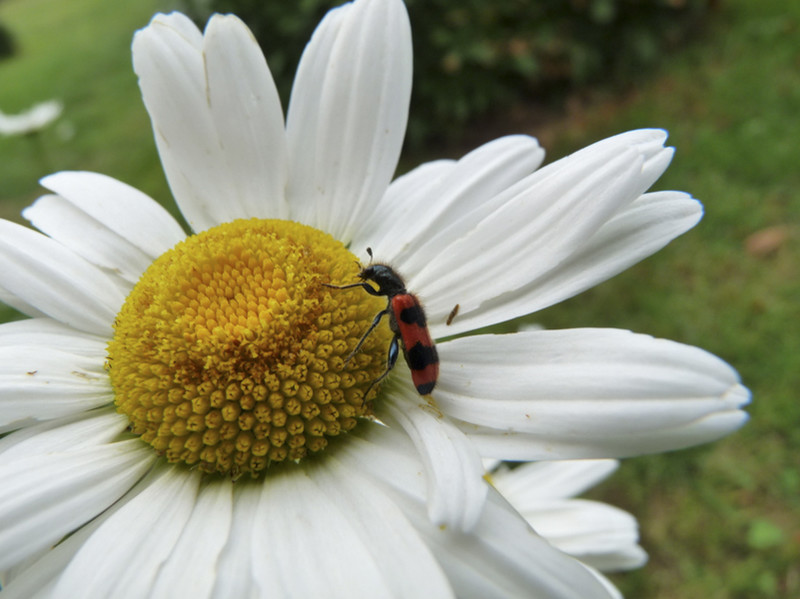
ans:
(229, 353)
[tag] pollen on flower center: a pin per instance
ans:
(229, 353)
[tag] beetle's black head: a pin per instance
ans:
(388, 281)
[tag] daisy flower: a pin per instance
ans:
(37, 117)
(176, 406)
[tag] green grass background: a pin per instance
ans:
(721, 521)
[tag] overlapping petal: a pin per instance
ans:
(130, 215)
(641, 229)
(543, 481)
(247, 112)
(408, 196)
(216, 116)
(76, 431)
(600, 535)
(41, 383)
(496, 260)
(150, 522)
(586, 393)
(329, 508)
(395, 546)
(108, 223)
(434, 205)
(45, 332)
(55, 281)
(192, 563)
(238, 562)
(37, 576)
(19, 304)
(501, 557)
(456, 490)
(88, 238)
(307, 517)
(510, 543)
(45, 497)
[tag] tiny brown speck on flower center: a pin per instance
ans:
(229, 353)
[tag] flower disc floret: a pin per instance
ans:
(229, 354)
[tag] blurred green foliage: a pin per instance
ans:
(473, 57)
(6, 42)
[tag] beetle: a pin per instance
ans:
(406, 320)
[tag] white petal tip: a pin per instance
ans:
(738, 395)
(716, 426)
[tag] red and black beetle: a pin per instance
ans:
(407, 321)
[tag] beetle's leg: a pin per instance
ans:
(366, 286)
(371, 328)
(391, 360)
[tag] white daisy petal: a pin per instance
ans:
(456, 489)
(248, 117)
(586, 393)
(77, 431)
(302, 120)
(477, 186)
(377, 445)
(552, 213)
(542, 481)
(423, 224)
(202, 157)
(409, 194)
(395, 546)
(345, 520)
(501, 542)
(599, 535)
(347, 115)
(191, 565)
(36, 579)
(43, 383)
(182, 25)
(44, 332)
(296, 514)
(532, 568)
(554, 575)
(151, 523)
(541, 221)
(12, 300)
(647, 142)
(612, 591)
(639, 231)
(46, 275)
(32, 120)
(132, 216)
(172, 79)
(45, 497)
(67, 224)
(238, 563)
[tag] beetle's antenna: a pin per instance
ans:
(369, 251)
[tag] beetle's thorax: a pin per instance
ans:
(388, 281)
